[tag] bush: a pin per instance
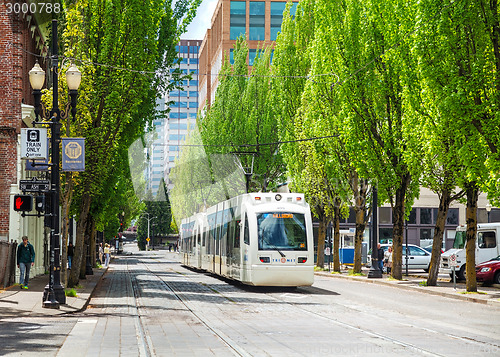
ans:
(70, 292)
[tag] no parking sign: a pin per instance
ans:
(453, 261)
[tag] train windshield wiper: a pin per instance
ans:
(274, 247)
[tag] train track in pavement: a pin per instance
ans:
(240, 350)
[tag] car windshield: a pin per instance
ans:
(281, 231)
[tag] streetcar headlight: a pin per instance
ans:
(265, 259)
(278, 197)
(302, 259)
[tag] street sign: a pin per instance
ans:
(453, 261)
(34, 144)
(148, 239)
(34, 185)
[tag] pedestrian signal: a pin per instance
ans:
(40, 203)
(23, 203)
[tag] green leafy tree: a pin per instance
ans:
(456, 47)
(124, 51)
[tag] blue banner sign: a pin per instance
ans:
(73, 154)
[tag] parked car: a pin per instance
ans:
(489, 272)
(429, 248)
(418, 258)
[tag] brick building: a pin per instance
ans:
(259, 21)
(20, 39)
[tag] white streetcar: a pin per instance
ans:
(262, 239)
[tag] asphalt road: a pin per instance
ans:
(149, 305)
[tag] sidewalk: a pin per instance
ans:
(16, 302)
(485, 295)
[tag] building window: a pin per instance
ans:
(412, 219)
(176, 115)
(257, 20)
(452, 217)
(252, 53)
(384, 214)
(193, 82)
(178, 126)
(237, 21)
(277, 9)
(385, 235)
(193, 61)
(426, 216)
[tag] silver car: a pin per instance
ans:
(418, 258)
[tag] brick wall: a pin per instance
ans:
(16, 43)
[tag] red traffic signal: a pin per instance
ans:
(23, 203)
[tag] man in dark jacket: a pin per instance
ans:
(380, 257)
(25, 260)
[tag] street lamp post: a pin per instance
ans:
(54, 292)
(374, 271)
(149, 219)
(488, 209)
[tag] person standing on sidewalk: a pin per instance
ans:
(388, 259)
(380, 252)
(71, 252)
(106, 254)
(25, 260)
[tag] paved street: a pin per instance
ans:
(147, 304)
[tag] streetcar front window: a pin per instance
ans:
(283, 231)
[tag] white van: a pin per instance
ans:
(487, 247)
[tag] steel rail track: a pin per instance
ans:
(489, 346)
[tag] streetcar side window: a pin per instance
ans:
(246, 234)
(237, 234)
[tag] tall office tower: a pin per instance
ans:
(184, 106)
(258, 21)
(156, 152)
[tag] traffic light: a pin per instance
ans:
(23, 203)
(40, 203)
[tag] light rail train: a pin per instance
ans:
(261, 239)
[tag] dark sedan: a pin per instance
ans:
(489, 272)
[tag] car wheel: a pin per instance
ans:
(461, 273)
(497, 278)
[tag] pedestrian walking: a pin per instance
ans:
(106, 254)
(388, 259)
(101, 254)
(71, 252)
(25, 260)
(380, 258)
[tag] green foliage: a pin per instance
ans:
(70, 292)
(158, 210)
(124, 51)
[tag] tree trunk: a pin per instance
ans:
(472, 193)
(320, 256)
(336, 234)
(437, 242)
(74, 275)
(398, 227)
(360, 191)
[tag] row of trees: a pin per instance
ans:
(387, 93)
(124, 50)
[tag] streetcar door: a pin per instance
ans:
(245, 250)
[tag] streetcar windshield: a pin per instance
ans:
(281, 231)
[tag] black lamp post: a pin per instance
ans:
(54, 292)
(374, 271)
(488, 209)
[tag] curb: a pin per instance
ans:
(424, 290)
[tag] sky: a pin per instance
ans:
(198, 28)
